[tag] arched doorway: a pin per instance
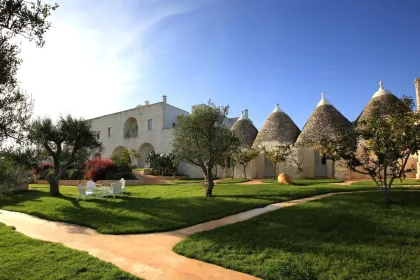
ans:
(131, 128)
(118, 150)
(144, 151)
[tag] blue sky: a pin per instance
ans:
(104, 56)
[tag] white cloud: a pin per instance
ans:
(93, 58)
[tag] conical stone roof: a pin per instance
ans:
(383, 99)
(325, 122)
(245, 130)
(278, 129)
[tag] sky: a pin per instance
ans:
(104, 56)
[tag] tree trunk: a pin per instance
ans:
(333, 170)
(54, 188)
(275, 170)
(55, 180)
(209, 183)
(245, 171)
(387, 194)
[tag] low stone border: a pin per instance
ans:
(168, 178)
(83, 182)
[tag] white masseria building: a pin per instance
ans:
(144, 128)
(149, 127)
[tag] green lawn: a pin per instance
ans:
(232, 181)
(157, 208)
(22, 257)
(396, 182)
(306, 182)
(341, 237)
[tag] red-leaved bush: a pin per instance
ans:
(45, 165)
(100, 169)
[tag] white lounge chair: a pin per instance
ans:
(83, 192)
(115, 189)
(122, 181)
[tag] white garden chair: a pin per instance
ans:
(91, 187)
(116, 188)
(83, 192)
(122, 181)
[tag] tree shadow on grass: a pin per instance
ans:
(129, 214)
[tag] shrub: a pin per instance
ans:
(44, 170)
(77, 174)
(11, 176)
(125, 175)
(100, 169)
(162, 164)
(65, 175)
(123, 162)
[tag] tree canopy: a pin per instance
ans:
(26, 19)
(202, 139)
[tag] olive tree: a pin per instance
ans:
(278, 154)
(27, 20)
(62, 143)
(380, 145)
(244, 156)
(202, 139)
(296, 159)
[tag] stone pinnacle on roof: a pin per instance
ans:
(382, 99)
(325, 122)
(277, 109)
(323, 101)
(381, 91)
(278, 129)
(245, 130)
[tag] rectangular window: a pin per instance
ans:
(109, 132)
(149, 125)
(98, 134)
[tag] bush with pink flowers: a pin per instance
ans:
(100, 169)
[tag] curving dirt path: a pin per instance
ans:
(149, 256)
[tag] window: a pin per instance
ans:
(149, 125)
(98, 134)
(109, 132)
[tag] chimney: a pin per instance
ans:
(246, 113)
(417, 85)
(146, 103)
(164, 99)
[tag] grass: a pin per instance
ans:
(26, 258)
(157, 208)
(232, 181)
(396, 182)
(341, 237)
(306, 182)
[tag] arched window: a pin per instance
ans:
(130, 128)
